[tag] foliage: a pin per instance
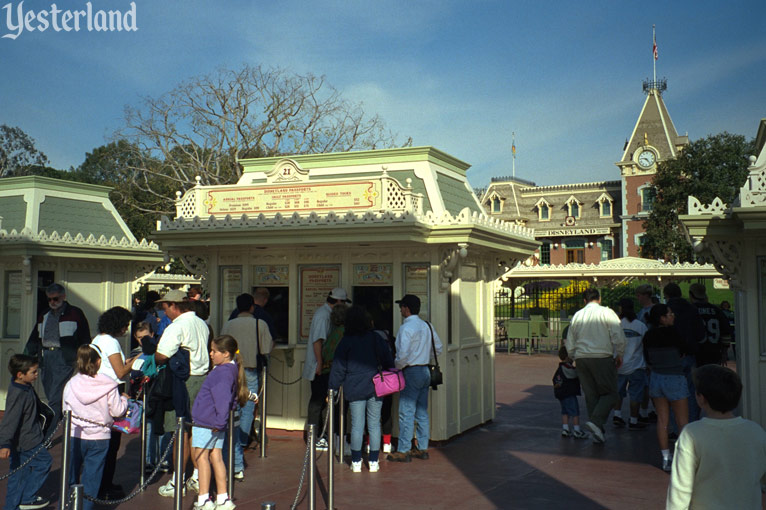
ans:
(18, 154)
(206, 125)
(715, 166)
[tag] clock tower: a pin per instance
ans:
(654, 139)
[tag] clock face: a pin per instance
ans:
(646, 159)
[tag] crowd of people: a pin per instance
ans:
(185, 371)
(673, 355)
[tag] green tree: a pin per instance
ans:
(715, 166)
(18, 154)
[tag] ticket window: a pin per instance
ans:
(379, 303)
(278, 307)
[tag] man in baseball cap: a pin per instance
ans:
(312, 368)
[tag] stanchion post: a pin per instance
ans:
(178, 475)
(330, 447)
(262, 403)
(64, 490)
(144, 439)
(342, 424)
(268, 505)
(77, 494)
(230, 456)
(312, 467)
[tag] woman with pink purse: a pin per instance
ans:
(360, 356)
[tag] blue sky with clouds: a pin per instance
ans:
(458, 75)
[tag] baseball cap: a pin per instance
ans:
(697, 291)
(410, 301)
(339, 294)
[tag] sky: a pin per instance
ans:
(565, 77)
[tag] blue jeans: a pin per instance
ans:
(24, 484)
(248, 410)
(55, 373)
(413, 406)
(690, 363)
(358, 408)
(87, 465)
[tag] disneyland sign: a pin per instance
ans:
(18, 19)
(592, 231)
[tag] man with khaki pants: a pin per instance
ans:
(596, 342)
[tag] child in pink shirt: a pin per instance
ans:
(93, 397)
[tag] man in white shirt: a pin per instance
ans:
(596, 342)
(189, 332)
(312, 368)
(254, 339)
(415, 342)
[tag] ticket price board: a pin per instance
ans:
(290, 198)
(231, 287)
(372, 274)
(416, 282)
(271, 276)
(316, 282)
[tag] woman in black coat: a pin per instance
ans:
(357, 359)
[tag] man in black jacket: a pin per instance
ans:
(54, 341)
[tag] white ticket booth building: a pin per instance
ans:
(380, 224)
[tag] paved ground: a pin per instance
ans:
(518, 461)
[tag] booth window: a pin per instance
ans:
(545, 253)
(575, 251)
(12, 308)
(44, 280)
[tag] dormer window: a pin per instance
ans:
(605, 206)
(573, 207)
(543, 210)
(494, 203)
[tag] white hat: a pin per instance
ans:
(339, 294)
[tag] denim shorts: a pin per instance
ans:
(634, 383)
(672, 387)
(207, 439)
(570, 406)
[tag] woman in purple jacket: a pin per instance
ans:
(357, 359)
(225, 383)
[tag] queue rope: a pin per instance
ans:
(285, 383)
(44, 445)
(139, 488)
(306, 464)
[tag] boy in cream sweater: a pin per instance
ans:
(720, 460)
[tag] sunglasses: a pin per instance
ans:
(54, 299)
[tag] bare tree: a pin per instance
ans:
(204, 126)
(18, 153)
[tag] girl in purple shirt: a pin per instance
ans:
(210, 413)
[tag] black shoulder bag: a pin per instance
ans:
(261, 360)
(436, 372)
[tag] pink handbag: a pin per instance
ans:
(388, 381)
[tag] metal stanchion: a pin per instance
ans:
(268, 505)
(342, 424)
(312, 467)
(64, 490)
(330, 447)
(144, 439)
(178, 476)
(230, 456)
(264, 378)
(77, 494)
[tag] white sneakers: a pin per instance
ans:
(207, 505)
(386, 447)
(211, 505)
(374, 466)
(169, 490)
(356, 467)
(192, 484)
(598, 434)
(226, 505)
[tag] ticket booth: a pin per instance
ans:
(380, 224)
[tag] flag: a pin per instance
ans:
(513, 144)
(654, 47)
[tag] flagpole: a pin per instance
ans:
(513, 151)
(654, 53)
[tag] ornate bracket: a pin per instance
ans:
(724, 255)
(196, 265)
(450, 264)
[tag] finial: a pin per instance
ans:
(198, 179)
